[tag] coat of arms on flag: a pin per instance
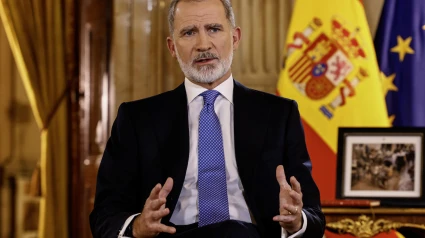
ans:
(330, 69)
(329, 62)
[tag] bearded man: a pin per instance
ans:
(211, 158)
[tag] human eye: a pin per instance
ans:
(189, 33)
(214, 29)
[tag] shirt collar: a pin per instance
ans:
(225, 89)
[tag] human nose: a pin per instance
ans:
(203, 42)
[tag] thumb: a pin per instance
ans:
(166, 189)
(281, 178)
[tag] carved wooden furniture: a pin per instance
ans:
(369, 222)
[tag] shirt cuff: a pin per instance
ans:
(299, 233)
(124, 227)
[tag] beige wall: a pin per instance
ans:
(142, 66)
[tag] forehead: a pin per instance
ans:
(199, 13)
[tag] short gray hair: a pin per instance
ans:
(172, 11)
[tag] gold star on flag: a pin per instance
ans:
(388, 83)
(391, 118)
(403, 47)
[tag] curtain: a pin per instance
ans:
(38, 36)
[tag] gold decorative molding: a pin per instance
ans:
(373, 210)
(364, 227)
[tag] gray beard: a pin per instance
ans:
(207, 73)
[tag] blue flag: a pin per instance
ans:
(400, 49)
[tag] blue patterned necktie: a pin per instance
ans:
(212, 187)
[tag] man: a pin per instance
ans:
(211, 158)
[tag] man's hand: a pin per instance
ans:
(290, 202)
(148, 224)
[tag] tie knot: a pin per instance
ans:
(210, 96)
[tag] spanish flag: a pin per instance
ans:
(330, 69)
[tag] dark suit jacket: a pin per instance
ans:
(150, 142)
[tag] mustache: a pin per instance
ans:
(205, 55)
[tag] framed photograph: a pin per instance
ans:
(381, 163)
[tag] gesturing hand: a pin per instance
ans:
(290, 202)
(148, 224)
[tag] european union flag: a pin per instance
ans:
(400, 49)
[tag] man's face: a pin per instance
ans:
(203, 40)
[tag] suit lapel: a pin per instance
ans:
(175, 153)
(250, 126)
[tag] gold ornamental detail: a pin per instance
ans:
(364, 227)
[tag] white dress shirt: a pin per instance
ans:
(186, 211)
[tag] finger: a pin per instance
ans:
(292, 209)
(297, 198)
(284, 212)
(295, 184)
(157, 203)
(284, 218)
(166, 189)
(155, 192)
(163, 228)
(281, 178)
(157, 215)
